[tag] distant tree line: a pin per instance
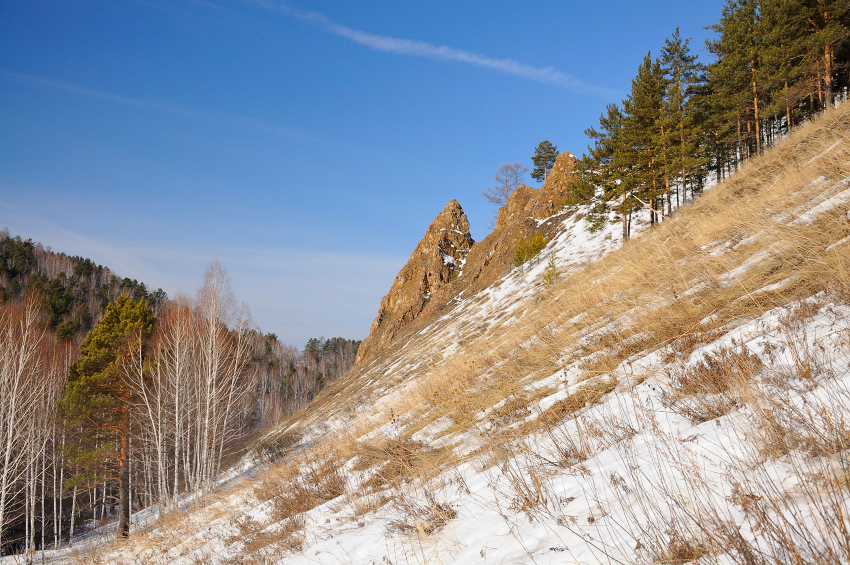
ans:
(146, 399)
(328, 359)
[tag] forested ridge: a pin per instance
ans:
(114, 398)
(73, 291)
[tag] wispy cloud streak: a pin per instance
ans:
(414, 48)
(74, 88)
(168, 108)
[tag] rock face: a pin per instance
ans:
(528, 210)
(446, 263)
(435, 263)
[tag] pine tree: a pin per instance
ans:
(776, 61)
(643, 149)
(608, 145)
(581, 188)
(784, 55)
(543, 159)
(682, 73)
(827, 31)
(100, 393)
(737, 72)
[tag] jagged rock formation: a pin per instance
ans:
(446, 264)
(528, 210)
(561, 170)
(436, 262)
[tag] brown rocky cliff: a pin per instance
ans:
(528, 210)
(446, 263)
(434, 264)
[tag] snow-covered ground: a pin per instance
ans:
(724, 450)
(575, 493)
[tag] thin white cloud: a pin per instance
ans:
(166, 107)
(413, 48)
(81, 90)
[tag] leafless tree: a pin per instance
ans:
(195, 395)
(508, 177)
(206, 378)
(30, 383)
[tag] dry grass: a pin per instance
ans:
(586, 394)
(680, 550)
(258, 540)
(421, 516)
(275, 446)
(397, 460)
(300, 484)
(668, 288)
(713, 386)
(290, 488)
(366, 503)
(651, 290)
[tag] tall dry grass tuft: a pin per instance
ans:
(397, 460)
(713, 386)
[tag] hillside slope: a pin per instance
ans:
(681, 398)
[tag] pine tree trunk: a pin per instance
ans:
(682, 155)
(666, 175)
(718, 155)
(787, 109)
(682, 149)
(827, 72)
(623, 215)
(740, 155)
(756, 113)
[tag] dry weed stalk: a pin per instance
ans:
(713, 386)
(422, 516)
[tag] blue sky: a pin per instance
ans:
(305, 145)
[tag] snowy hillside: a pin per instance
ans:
(681, 398)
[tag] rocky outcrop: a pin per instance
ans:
(560, 173)
(436, 262)
(446, 264)
(528, 210)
